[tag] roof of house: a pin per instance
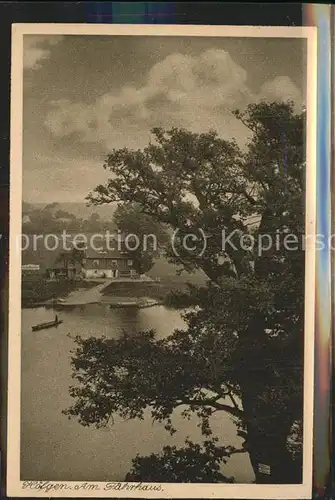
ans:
(30, 266)
(58, 265)
(91, 253)
(62, 266)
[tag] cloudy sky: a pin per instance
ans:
(84, 95)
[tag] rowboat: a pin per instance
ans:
(48, 324)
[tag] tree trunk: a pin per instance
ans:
(267, 427)
(271, 461)
(270, 458)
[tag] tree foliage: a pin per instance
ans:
(242, 350)
(192, 464)
(144, 235)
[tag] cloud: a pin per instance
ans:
(37, 48)
(46, 177)
(195, 92)
(281, 88)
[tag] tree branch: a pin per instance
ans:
(236, 412)
(235, 452)
(247, 124)
(233, 400)
(249, 198)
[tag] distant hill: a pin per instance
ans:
(79, 210)
(27, 207)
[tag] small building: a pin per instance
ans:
(30, 269)
(107, 264)
(65, 267)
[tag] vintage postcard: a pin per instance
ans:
(162, 260)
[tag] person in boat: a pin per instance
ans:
(56, 318)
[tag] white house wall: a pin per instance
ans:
(98, 273)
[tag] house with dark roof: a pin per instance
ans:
(65, 266)
(107, 263)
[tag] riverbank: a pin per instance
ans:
(119, 293)
(84, 296)
(38, 291)
(159, 292)
(95, 295)
(138, 303)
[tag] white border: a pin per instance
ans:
(172, 490)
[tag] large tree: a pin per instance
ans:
(242, 350)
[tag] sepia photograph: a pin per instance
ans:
(161, 321)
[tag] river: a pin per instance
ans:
(55, 448)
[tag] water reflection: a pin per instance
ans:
(56, 448)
